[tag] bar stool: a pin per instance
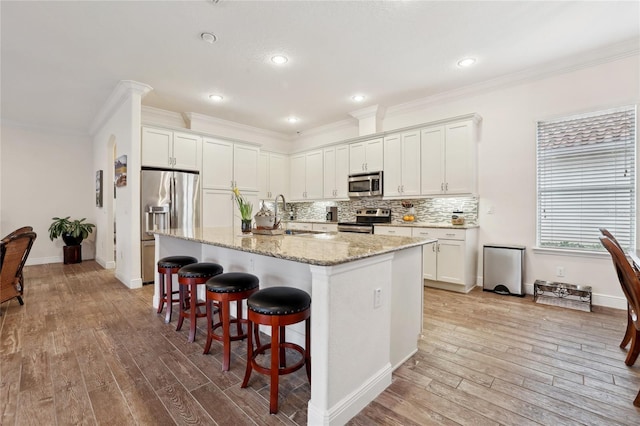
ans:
(189, 278)
(222, 289)
(167, 266)
(277, 307)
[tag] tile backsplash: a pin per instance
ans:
(427, 210)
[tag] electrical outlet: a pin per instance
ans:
(560, 271)
(377, 297)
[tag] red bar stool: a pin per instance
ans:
(277, 307)
(189, 278)
(167, 266)
(222, 289)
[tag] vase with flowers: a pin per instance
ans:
(246, 209)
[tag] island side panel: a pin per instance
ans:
(406, 304)
(350, 338)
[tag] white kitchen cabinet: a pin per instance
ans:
(325, 227)
(273, 175)
(306, 176)
(430, 261)
(402, 164)
(451, 262)
(398, 231)
(168, 149)
(448, 159)
(217, 164)
(245, 167)
(366, 156)
(226, 165)
(336, 172)
(219, 208)
(300, 226)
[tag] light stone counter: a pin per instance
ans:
(324, 249)
(443, 225)
(366, 303)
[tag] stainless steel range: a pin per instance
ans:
(365, 219)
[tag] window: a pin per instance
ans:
(586, 179)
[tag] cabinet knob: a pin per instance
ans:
(433, 248)
(442, 186)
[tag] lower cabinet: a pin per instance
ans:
(325, 227)
(451, 262)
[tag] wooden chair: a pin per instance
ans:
(631, 288)
(14, 233)
(630, 328)
(17, 249)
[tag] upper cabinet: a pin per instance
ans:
(402, 164)
(273, 175)
(448, 157)
(306, 176)
(168, 149)
(336, 172)
(366, 156)
(226, 165)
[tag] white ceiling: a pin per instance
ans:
(61, 60)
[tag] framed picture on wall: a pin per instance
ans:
(121, 171)
(99, 188)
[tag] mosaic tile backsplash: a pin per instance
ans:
(427, 210)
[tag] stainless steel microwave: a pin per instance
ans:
(365, 184)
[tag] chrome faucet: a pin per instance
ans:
(284, 205)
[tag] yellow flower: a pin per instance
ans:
(245, 208)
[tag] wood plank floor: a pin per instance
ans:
(86, 350)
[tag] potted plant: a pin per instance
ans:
(71, 231)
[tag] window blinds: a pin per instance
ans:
(586, 179)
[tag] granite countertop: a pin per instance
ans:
(443, 225)
(325, 249)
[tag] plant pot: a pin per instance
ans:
(70, 240)
(246, 226)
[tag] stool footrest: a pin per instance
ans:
(261, 350)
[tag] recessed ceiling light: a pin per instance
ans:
(357, 98)
(466, 62)
(292, 119)
(208, 37)
(216, 98)
(279, 59)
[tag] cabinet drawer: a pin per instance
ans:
(440, 233)
(325, 227)
(392, 230)
(300, 226)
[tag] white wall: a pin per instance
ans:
(507, 158)
(119, 123)
(43, 174)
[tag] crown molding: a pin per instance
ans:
(189, 117)
(368, 112)
(592, 58)
(123, 91)
(165, 116)
(336, 125)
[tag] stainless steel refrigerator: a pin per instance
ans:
(168, 199)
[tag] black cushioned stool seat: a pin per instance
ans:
(189, 278)
(167, 266)
(221, 290)
(277, 307)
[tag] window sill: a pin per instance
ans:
(569, 252)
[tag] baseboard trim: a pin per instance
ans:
(352, 404)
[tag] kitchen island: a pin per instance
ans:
(366, 302)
